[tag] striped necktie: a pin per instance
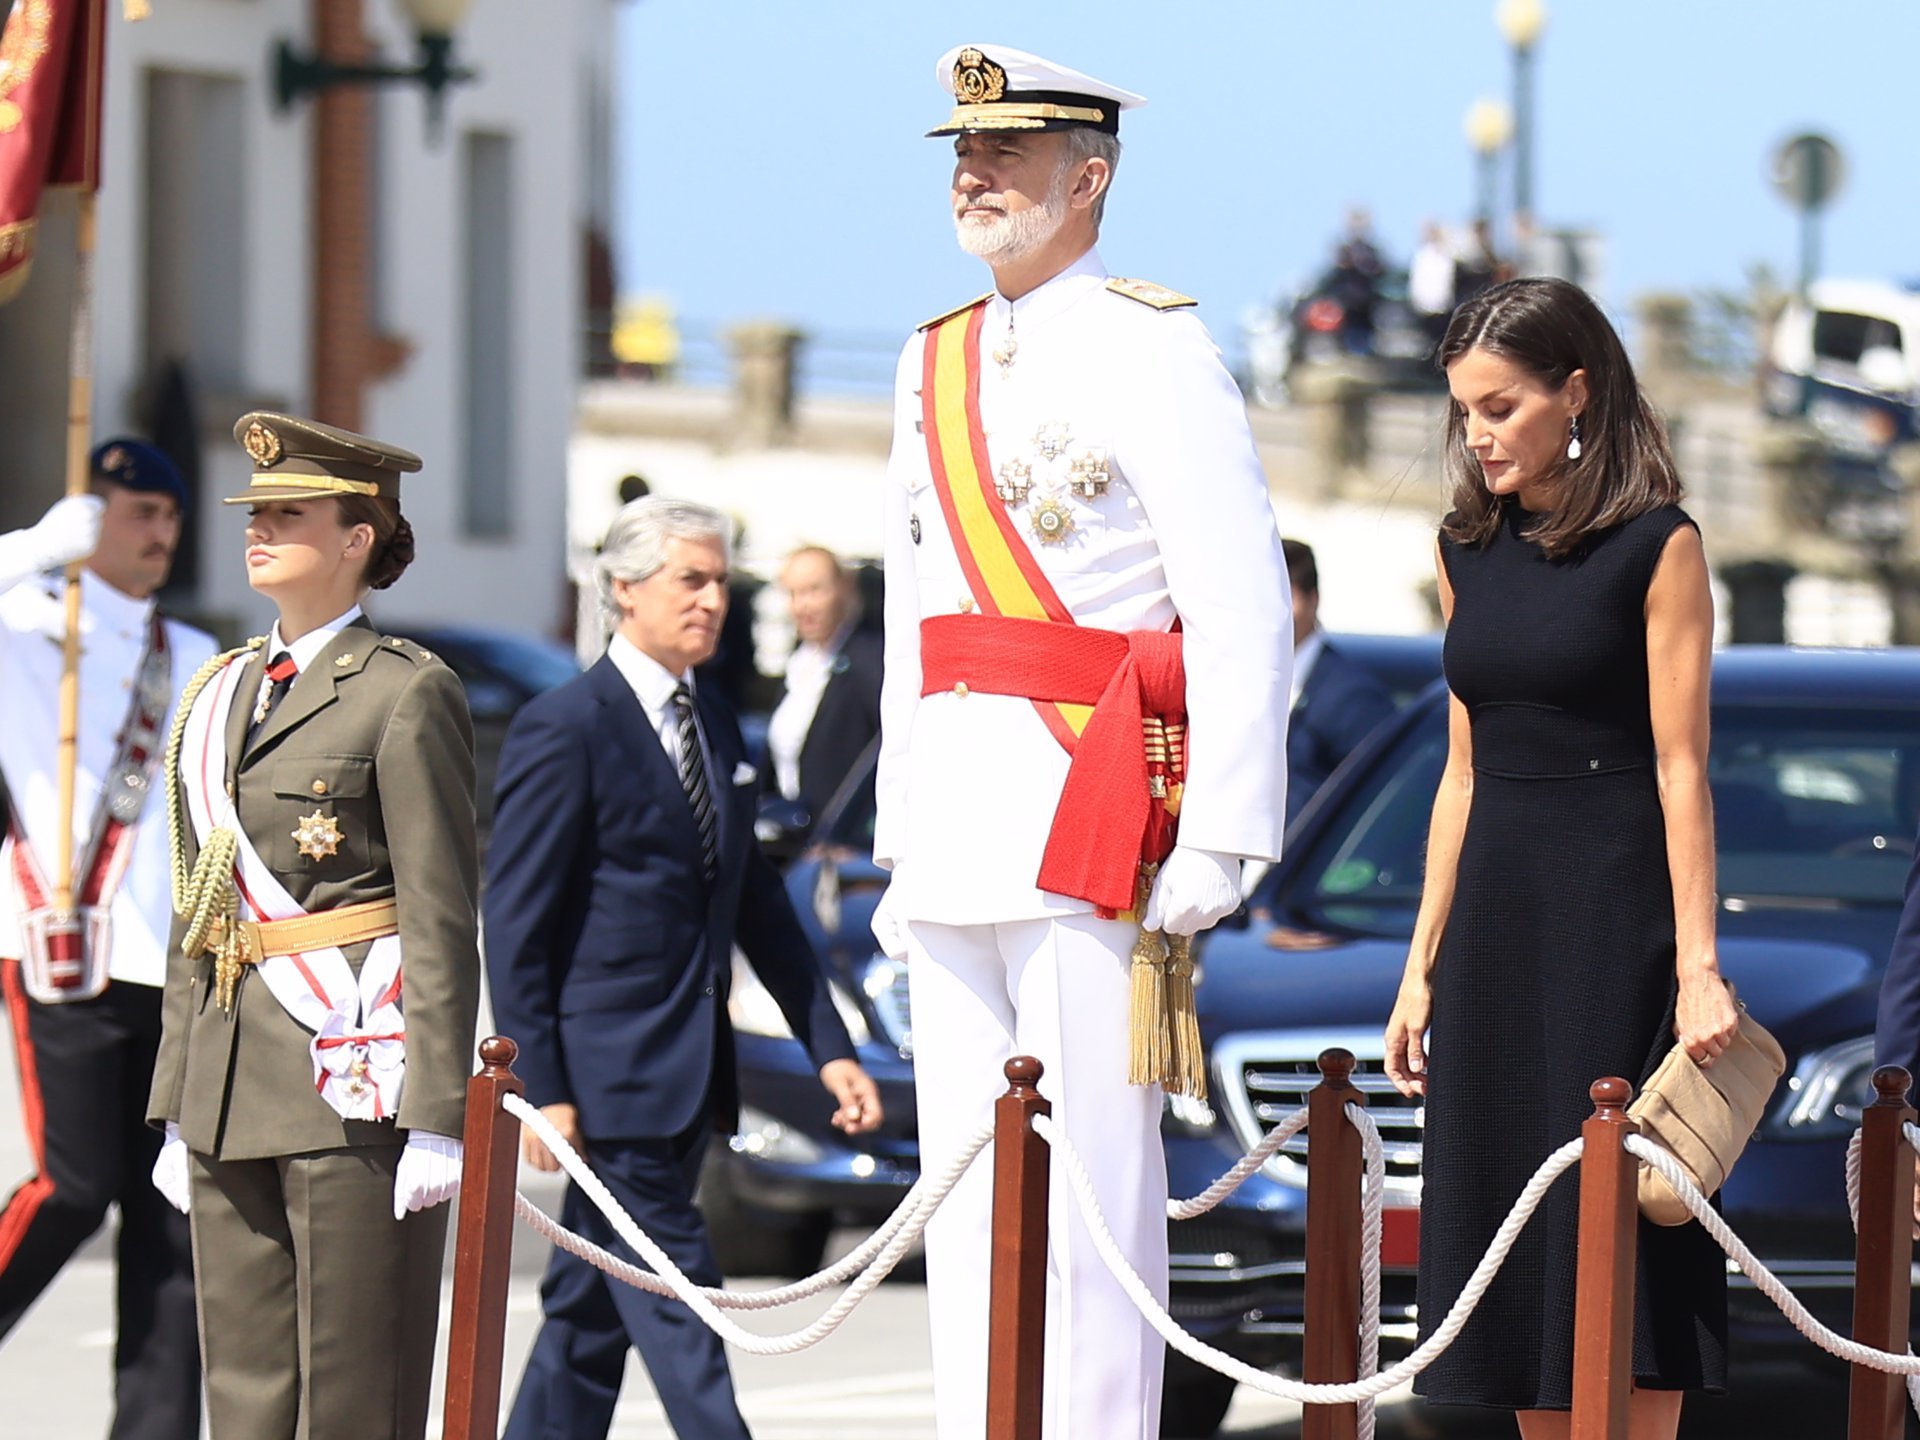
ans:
(693, 779)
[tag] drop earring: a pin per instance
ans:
(1573, 438)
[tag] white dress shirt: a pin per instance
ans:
(968, 784)
(114, 631)
(304, 651)
(809, 669)
(653, 685)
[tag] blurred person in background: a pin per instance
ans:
(85, 1037)
(830, 711)
(1354, 282)
(1336, 702)
(622, 870)
(1431, 279)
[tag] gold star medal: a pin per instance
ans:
(1052, 521)
(318, 836)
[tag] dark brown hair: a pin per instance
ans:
(1302, 569)
(1551, 328)
(392, 549)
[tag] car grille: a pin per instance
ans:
(1264, 1077)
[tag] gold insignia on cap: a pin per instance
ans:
(318, 836)
(262, 442)
(976, 79)
(114, 461)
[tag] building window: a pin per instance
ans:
(488, 356)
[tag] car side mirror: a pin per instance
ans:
(782, 827)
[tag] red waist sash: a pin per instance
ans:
(1120, 805)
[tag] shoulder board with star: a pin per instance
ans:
(957, 310)
(1148, 293)
(395, 645)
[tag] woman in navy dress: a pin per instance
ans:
(1566, 931)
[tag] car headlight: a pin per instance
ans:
(753, 1010)
(1827, 1091)
(885, 982)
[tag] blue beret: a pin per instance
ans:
(139, 466)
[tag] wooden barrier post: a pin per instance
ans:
(1335, 1169)
(483, 1249)
(1883, 1257)
(1017, 1297)
(1603, 1287)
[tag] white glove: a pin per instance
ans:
(69, 531)
(1194, 890)
(888, 928)
(429, 1172)
(31, 610)
(170, 1171)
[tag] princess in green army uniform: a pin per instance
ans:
(324, 978)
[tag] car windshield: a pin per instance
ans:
(536, 666)
(1809, 806)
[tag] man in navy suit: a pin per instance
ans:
(1897, 1033)
(1336, 701)
(622, 870)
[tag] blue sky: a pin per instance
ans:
(770, 158)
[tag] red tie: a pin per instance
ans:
(280, 673)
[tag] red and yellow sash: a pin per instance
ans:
(999, 565)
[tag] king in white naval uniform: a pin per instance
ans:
(1074, 517)
(85, 1033)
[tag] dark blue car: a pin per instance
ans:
(1815, 769)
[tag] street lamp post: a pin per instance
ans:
(1489, 125)
(1521, 22)
(434, 22)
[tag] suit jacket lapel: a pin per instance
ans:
(315, 690)
(633, 732)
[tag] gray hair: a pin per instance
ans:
(636, 543)
(1086, 143)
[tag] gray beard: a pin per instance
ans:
(1006, 238)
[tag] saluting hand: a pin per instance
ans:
(856, 1094)
(565, 1119)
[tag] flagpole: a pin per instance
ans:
(79, 438)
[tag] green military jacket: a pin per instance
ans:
(376, 734)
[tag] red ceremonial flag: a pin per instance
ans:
(50, 85)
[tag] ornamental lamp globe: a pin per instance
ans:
(436, 17)
(1521, 21)
(1489, 125)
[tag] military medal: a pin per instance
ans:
(318, 836)
(1009, 347)
(1051, 439)
(1015, 480)
(1090, 475)
(1052, 521)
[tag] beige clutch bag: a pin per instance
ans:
(1704, 1118)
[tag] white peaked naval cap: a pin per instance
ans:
(998, 88)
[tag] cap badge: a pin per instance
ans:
(976, 79)
(1052, 520)
(318, 836)
(115, 460)
(263, 444)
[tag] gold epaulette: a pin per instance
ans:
(956, 310)
(1148, 293)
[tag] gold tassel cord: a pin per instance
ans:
(1152, 1041)
(1187, 1063)
(204, 896)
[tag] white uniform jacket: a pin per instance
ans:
(967, 785)
(113, 637)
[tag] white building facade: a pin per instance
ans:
(206, 286)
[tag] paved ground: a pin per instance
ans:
(870, 1381)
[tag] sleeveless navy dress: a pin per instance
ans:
(1556, 967)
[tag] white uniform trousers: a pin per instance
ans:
(1057, 989)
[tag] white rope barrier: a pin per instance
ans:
(1242, 1169)
(1764, 1279)
(698, 1298)
(1349, 1393)
(1371, 1209)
